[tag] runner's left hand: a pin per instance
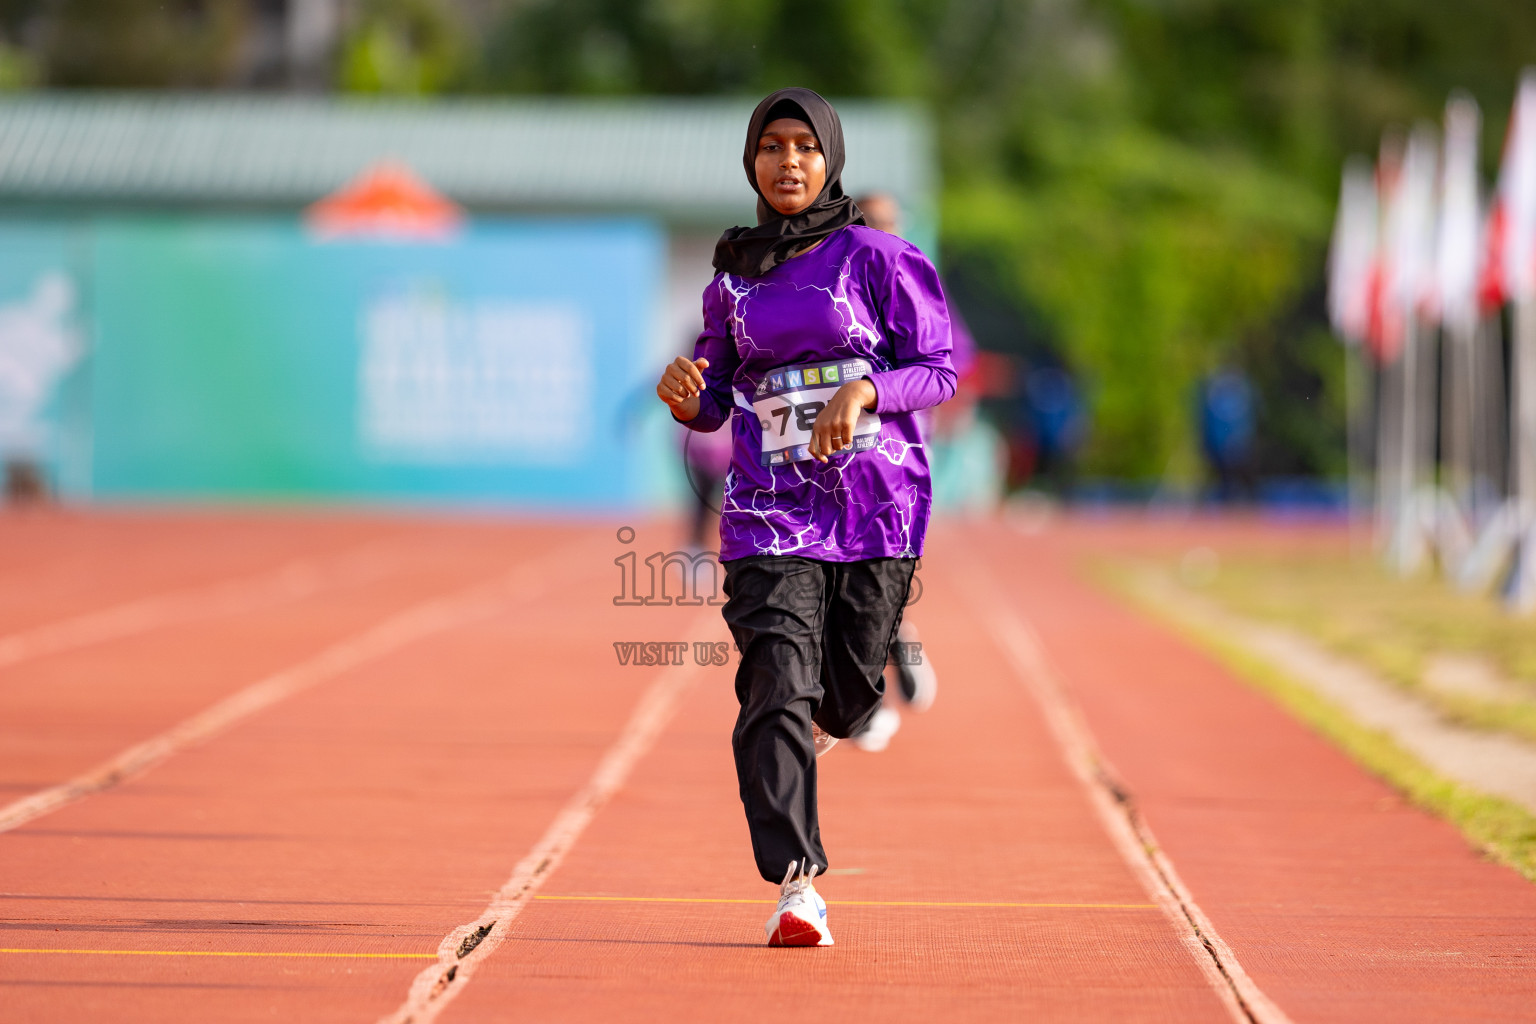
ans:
(833, 429)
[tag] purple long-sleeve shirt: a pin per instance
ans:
(862, 303)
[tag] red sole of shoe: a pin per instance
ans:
(794, 932)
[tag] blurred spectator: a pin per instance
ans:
(1053, 414)
(947, 421)
(1226, 432)
(881, 211)
(942, 427)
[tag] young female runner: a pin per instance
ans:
(825, 336)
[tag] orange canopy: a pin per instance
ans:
(386, 201)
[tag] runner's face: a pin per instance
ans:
(790, 167)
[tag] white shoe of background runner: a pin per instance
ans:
(877, 734)
(917, 683)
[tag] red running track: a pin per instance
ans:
(307, 857)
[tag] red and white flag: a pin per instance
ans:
(1384, 326)
(1459, 238)
(1403, 285)
(1352, 253)
(1509, 268)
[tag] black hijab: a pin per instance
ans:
(752, 252)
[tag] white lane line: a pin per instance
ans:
(1110, 799)
(467, 946)
(422, 620)
(289, 582)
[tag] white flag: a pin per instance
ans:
(1511, 270)
(1459, 243)
(1352, 254)
(1411, 227)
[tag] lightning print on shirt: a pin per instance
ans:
(861, 294)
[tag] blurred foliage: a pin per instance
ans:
(123, 43)
(1147, 183)
(18, 68)
(1153, 179)
(403, 47)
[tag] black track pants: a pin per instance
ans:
(813, 638)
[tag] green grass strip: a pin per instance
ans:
(1501, 829)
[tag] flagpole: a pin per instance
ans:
(1406, 551)
(1520, 585)
(1493, 380)
(1493, 507)
(1455, 446)
(1388, 395)
(1517, 184)
(1455, 297)
(1357, 425)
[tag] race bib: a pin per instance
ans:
(789, 399)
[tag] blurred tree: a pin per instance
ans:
(18, 68)
(1150, 255)
(1151, 180)
(1145, 253)
(1305, 81)
(137, 43)
(857, 47)
(403, 47)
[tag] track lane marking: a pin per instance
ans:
(466, 947)
(565, 898)
(291, 581)
(427, 618)
(229, 953)
(1129, 832)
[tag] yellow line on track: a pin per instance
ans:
(219, 952)
(578, 899)
(848, 903)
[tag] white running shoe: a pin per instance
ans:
(801, 916)
(877, 734)
(918, 683)
(823, 740)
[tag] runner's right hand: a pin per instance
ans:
(680, 386)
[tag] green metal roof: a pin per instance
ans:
(677, 158)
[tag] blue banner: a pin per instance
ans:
(243, 359)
